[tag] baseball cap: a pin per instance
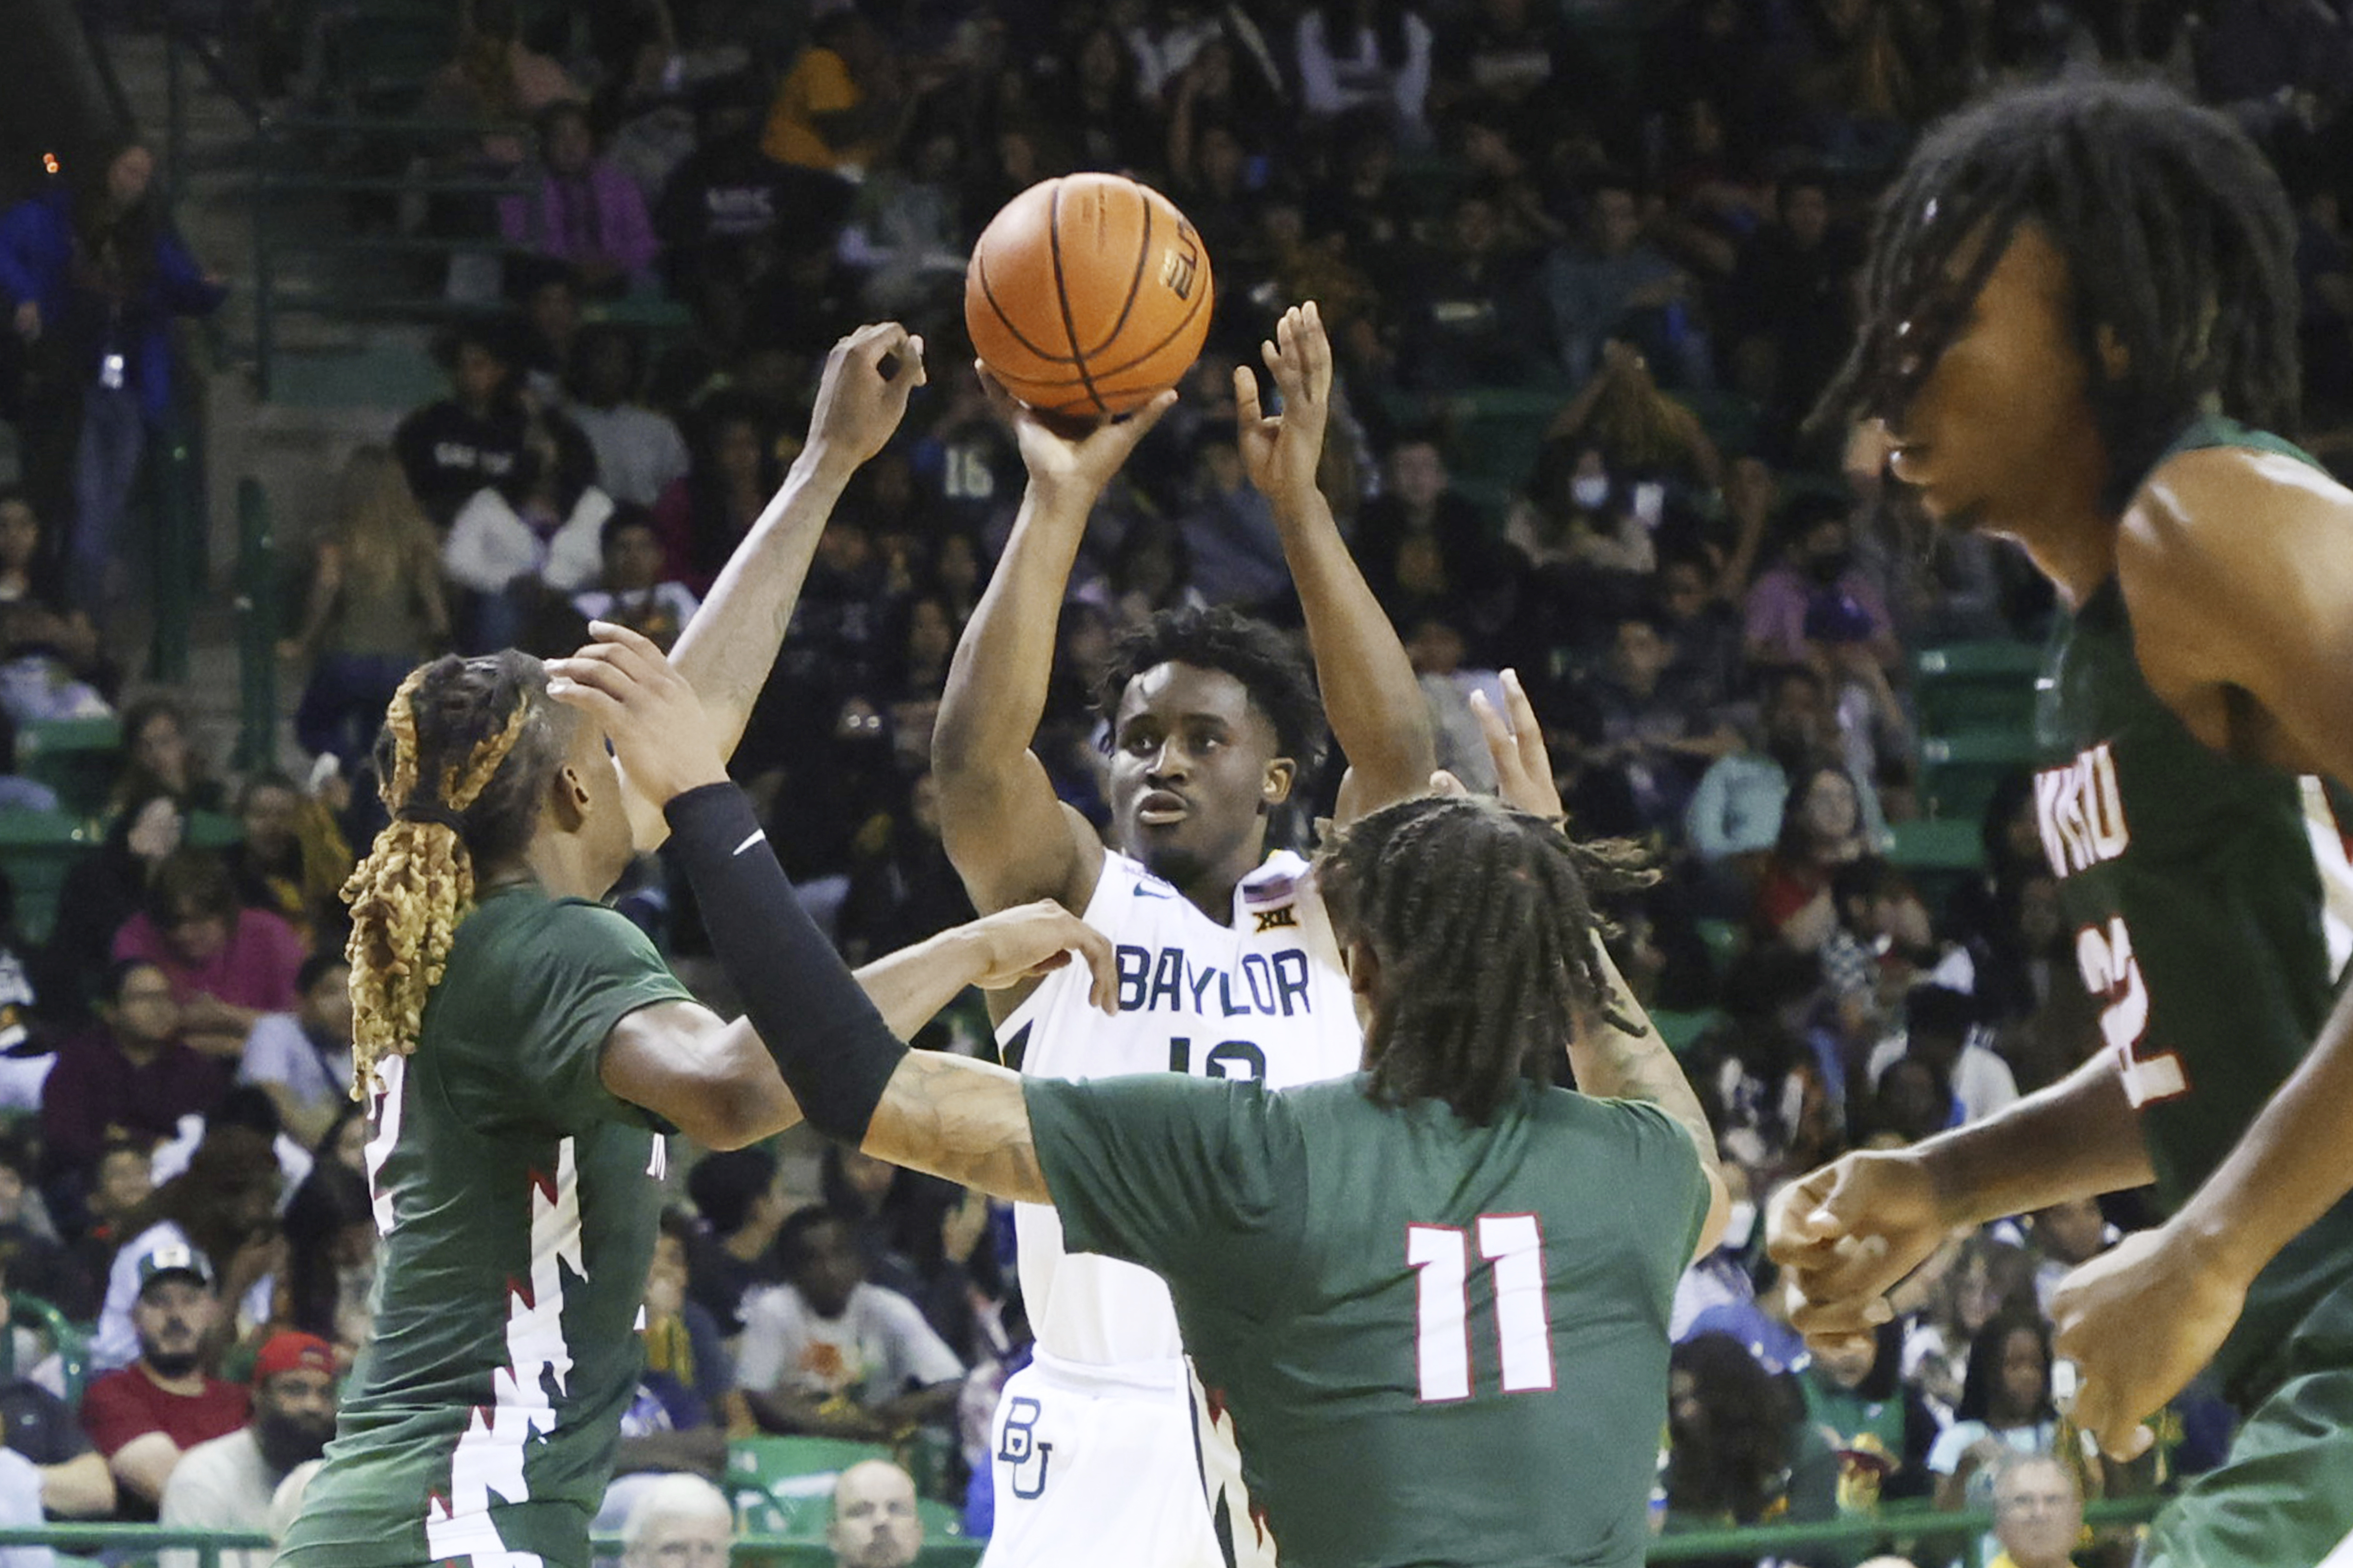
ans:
(169, 1258)
(290, 1351)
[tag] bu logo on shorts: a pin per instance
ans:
(1019, 1446)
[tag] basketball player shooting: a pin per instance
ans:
(1227, 968)
(2080, 331)
(1434, 1294)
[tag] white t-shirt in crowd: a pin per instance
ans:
(877, 1350)
(224, 1484)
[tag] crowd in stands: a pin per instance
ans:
(1623, 236)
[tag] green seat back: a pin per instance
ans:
(36, 850)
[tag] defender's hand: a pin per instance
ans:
(655, 723)
(863, 395)
(1029, 939)
(2139, 1321)
(1523, 766)
(1281, 453)
(1847, 1234)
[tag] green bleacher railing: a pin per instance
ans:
(1756, 1541)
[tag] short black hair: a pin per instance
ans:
(2167, 206)
(724, 1185)
(119, 973)
(1279, 684)
(317, 967)
(626, 515)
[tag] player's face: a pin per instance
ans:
(2003, 425)
(1193, 772)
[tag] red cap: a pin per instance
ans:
(291, 1352)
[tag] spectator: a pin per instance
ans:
(1815, 589)
(1367, 54)
(1942, 1027)
(550, 293)
(331, 1238)
(1822, 829)
(831, 1355)
(130, 1078)
(1425, 551)
(1230, 531)
(679, 1522)
(291, 860)
(1702, 629)
(495, 79)
(705, 513)
(2005, 1408)
(1109, 123)
(1737, 811)
(227, 964)
(684, 1402)
(835, 112)
(631, 589)
(158, 755)
(1615, 284)
(1789, 308)
(41, 1429)
(1735, 1455)
(120, 1182)
(586, 213)
(1880, 1430)
(227, 1483)
(640, 453)
(375, 607)
(2038, 1513)
(1576, 517)
(51, 663)
(147, 1415)
(875, 1522)
(1969, 1283)
(1647, 737)
(95, 275)
(2065, 1237)
(741, 1196)
(221, 1211)
(26, 1055)
(473, 438)
(35, 1260)
(534, 532)
(908, 235)
(1475, 308)
(903, 889)
(302, 1060)
(725, 194)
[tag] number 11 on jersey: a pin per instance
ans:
(1440, 1256)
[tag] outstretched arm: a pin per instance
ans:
(1618, 1054)
(1370, 697)
(729, 647)
(1010, 838)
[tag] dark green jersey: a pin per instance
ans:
(2197, 885)
(1438, 1343)
(517, 1200)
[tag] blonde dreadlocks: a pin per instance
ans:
(467, 749)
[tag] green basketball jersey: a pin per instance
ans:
(2197, 884)
(1438, 1343)
(517, 1200)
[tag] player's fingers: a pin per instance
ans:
(1499, 749)
(1125, 433)
(1246, 412)
(1315, 351)
(1000, 401)
(1798, 1218)
(1839, 1316)
(912, 357)
(586, 690)
(634, 651)
(1446, 785)
(1102, 962)
(1527, 734)
(2100, 1410)
(1289, 376)
(871, 343)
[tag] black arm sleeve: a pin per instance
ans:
(832, 1047)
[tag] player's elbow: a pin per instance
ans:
(1719, 1214)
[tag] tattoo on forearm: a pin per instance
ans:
(962, 1119)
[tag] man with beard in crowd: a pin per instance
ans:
(227, 1484)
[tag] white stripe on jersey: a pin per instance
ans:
(2329, 846)
(1265, 999)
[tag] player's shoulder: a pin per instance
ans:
(2231, 507)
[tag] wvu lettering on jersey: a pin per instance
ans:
(2082, 812)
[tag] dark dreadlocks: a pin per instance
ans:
(1482, 921)
(1279, 682)
(2178, 239)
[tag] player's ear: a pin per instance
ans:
(1275, 785)
(2115, 358)
(567, 799)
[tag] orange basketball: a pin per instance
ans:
(1087, 295)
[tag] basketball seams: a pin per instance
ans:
(1136, 282)
(1062, 295)
(989, 293)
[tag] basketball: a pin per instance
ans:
(1087, 295)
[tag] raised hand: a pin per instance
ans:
(1282, 452)
(1064, 467)
(863, 394)
(1523, 766)
(659, 732)
(1847, 1234)
(1030, 940)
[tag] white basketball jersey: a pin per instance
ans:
(1265, 999)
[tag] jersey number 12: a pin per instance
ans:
(1440, 1256)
